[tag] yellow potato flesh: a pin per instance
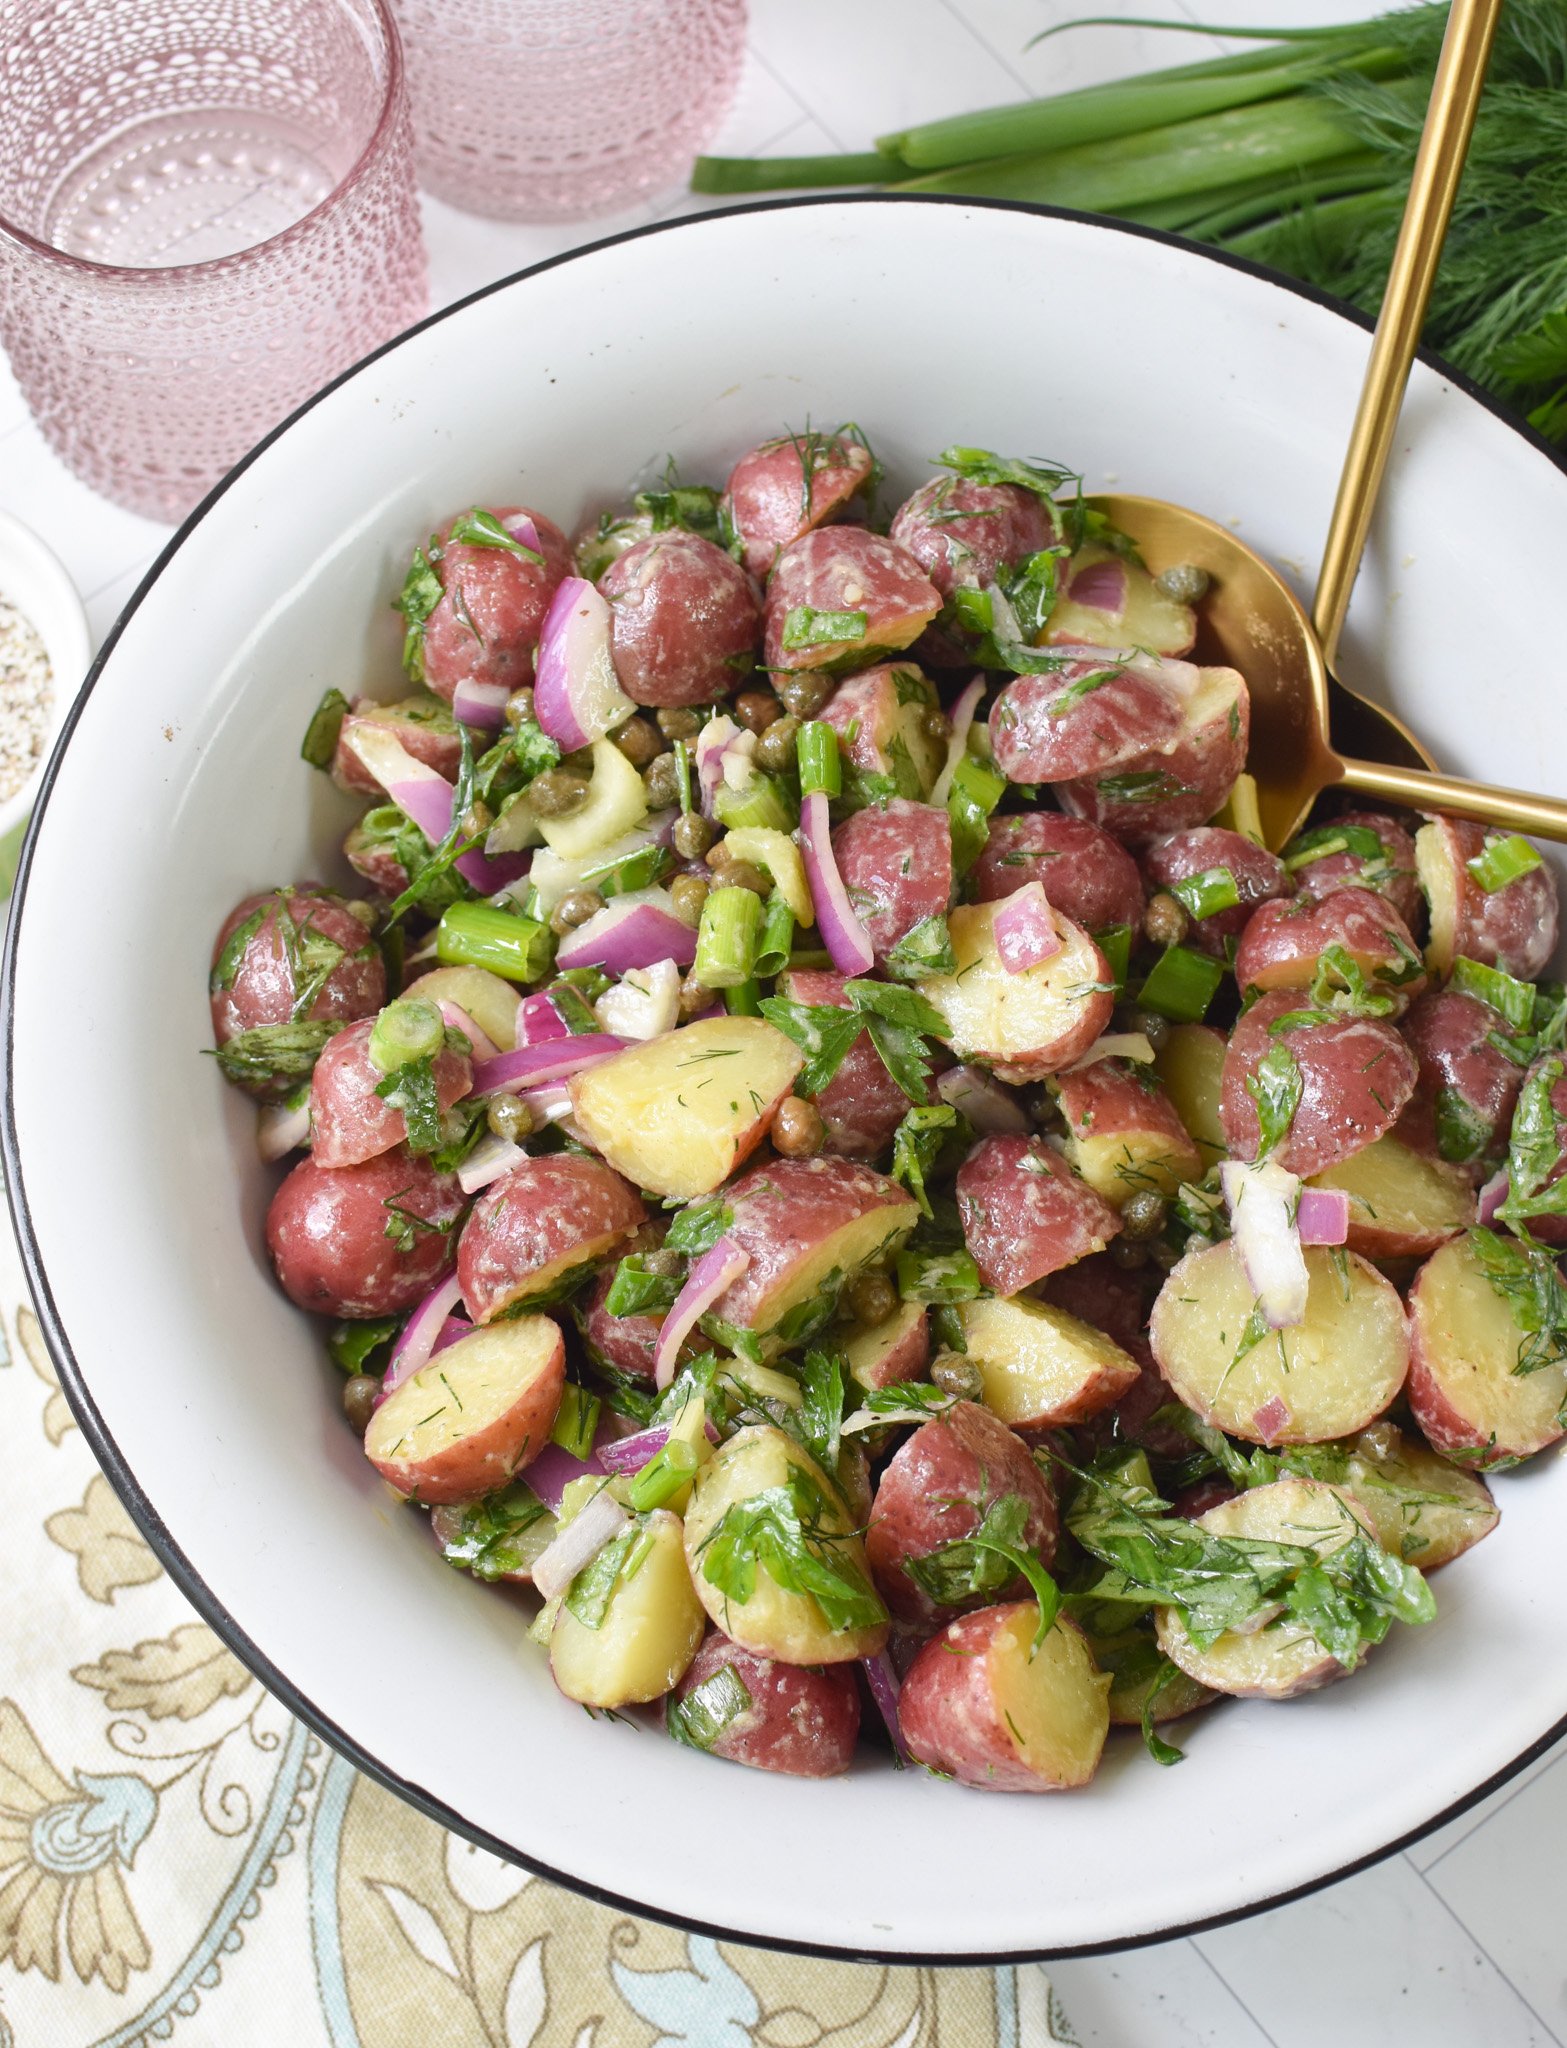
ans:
(1399, 1201)
(489, 1001)
(1191, 1066)
(1023, 1025)
(773, 1621)
(463, 1389)
(1434, 866)
(649, 1634)
(1037, 1363)
(673, 1114)
(1148, 619)
(1467, 1336)
(1421, 1507)
(864, 1241)
(1330, 1374)
(866, 1350)
(1055, 1704)
(1119, 1164)
(1135, 1664)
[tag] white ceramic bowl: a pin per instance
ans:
(37, 582)
(140, 1202)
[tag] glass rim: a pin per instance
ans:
(147, 275)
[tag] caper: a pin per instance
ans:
(1165, 1256)
(693, 835)
(695, 997)
(575, 908)
(935, 727)
(664, 1265)
(1186, 583)
(958, 1376)
(639, 740)
(804, 692)
(478, 818)
(1164, 920)
(1129, 1253)
(757, 709)
(1143, 1216)
(775, 750)
(870, 1297)
(558, 792)
(519, 707)
(359, 1398)
(688, 893)
(675, 722)
(508, 1118)
(1155, 1029)
(661, 782)
(742, 874)
(799, 1133)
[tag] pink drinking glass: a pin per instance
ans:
(207, 210)
(557, 110)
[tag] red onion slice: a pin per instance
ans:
(645, 1004)
(1116, 1045)
(455, 1018)
(711, 743)
(539, 1022)
(635, 930)
(583, 1537)
(1492, 1196)
(521, 527)
(1101, 586)
(961, 718)
(452, 1331)
(552, 1062)
(1323, 1216)
(1024, 929)
(982, 1099)
(554, 1469)
(631, 1453)
(1262, 1203)
(714, 1273)
(281, 1130)
(1271, 1419)
(489, 1159)
(425, 797)
(845, 938)
(884, 1690)
(416, 1341)
(482, 705)
(577, 696)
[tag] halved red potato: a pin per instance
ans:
(935, 1490)
(1514, 927)
(877, 590)
(1138, 1669)
(1025, 1213)
(1123, 1134)
(1257, 877)
(677, 1114)
(625, 1343)
(807, 1225)
(1402, 1204)
(1283, 943)
(1326, 1376)
(349, 1122)
(979, 1707)
(1166, 791)
(1283, 1658)
(782, 1717)
(1190, 1063)
(1356, 1076)
(260, 971)
(1088, 876)
(685, 625)
(547, 1220)
(489, 1001)
(422, 726)
(785, 487)
(965, 533)
(1467, 1087)
(886, 1353)
(485, 629)
(1419, 1505)
(896, 864)
(1465, 1387)
(774, 1621)
(882, 717)
(1086, 718)
(650, 1630)
(1023, 1025)
(862, 1105)
(1110, 1298)
(1108, 601)
(479, 1412)
(1341, 857)
(1041, 1368)
(363, 1241)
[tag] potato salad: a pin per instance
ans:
(842, 1179)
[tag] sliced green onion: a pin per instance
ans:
(662, 1477)
(1503, 861)
(576, 1420)
(1514, 999)
(1205, 895)
(326, 722)
(727, 938)
(353, 1345)
(744, 1000)
(1115, 942)
(938, 1276)
(772, 953)
(820, 766)
(763, 803)
(804, 626)
(639, 870)
(683, 776)
(1181, 985)
(479, 935)
(975, 792)
(407, 1030)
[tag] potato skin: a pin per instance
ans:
(534, 1218)
(847, 569)
(1284, 942)
(1025, 1213)
(1039, 734)
(872, 712)
(1087, 876)
(504, 597)
(963, 532)
(1514, 928)
(886, 1354)
(261, 989)
(1357, 1076)
(862, 1105)
(771, 500)
(627, 1343)
(1186, 784)
(1260, 877)
(684, 619)
(349, 1122)
(1450, 1035)
(897, 867)
(1026, 1025)
(327, 1234)
(1124, 1134)
(474, 1461)
(935, 1490)
(1393, 876)
(802, 1722)
(424, 728)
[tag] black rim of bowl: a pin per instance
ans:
(106, 1451)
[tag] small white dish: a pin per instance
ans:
(36, 581)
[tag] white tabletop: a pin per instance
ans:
(1458, 1941)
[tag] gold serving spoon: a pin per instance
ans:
(1300, 712)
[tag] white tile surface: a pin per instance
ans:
(1169, 1996)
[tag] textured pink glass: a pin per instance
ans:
(555, 110)
(207, 210)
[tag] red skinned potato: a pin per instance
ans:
(935, 1490)
(862, 1105)
(1184, 785)
(1513, 927)
(1041, 1368)
(1123, 1134)
(486, 626)
(1084, 719)
(349, 1122)
(882, 717)
(1402, 1203)
(1025, 1213)
(1107, 601)
(422, 725)
(785, 487)
(977, 1706)
(1107, 1297)
(1465, 1388)
(625, 1343)
(1181, 857)
(1356, 1076)
(963, 532)
(545, 1220)
(474, 1416)
(887, 1353)
(1087, 876)
(684, 621)
(262, 970)
(1464, 1097)
(1285, 944)
(800, 1721)
(896, 865)
(363, 1241)
(1358, 850)
(844, 571)
(1023, 1025)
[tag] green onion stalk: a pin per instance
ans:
(1295, 152)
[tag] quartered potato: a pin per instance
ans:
(1023, 1025)
(1470, 1383)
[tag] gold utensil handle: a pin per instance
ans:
(1515, 809)
(1444, 142)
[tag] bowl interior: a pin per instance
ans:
(1154, 369)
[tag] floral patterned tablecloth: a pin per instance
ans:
(180, 1858)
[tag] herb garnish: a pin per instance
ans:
(783, 1532)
